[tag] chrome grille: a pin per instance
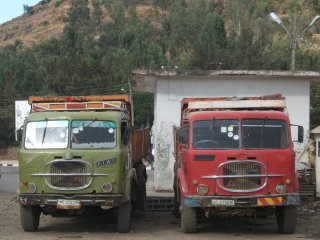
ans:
(238, 176)
(68, 175)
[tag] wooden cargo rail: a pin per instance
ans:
(140, 143)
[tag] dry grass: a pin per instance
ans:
(45, 22)
(49, 20)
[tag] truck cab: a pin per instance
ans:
(235, 161)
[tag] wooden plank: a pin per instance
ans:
(241, 104)
(97, 98)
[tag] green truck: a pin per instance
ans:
(79, 154)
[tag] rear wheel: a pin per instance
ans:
(139, 192)
(141, 188)
(287, 219)
(176, 204)
(124, 218)
(188, 218)
(30, 217)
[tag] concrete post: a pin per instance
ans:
(317, 164)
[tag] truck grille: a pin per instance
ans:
(241, 176)
(68, 175)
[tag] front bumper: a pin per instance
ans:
(242, 201)
(110, 200)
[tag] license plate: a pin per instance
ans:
(68, 204)
(222, 202)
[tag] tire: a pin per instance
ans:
(124, 218)
(188, 218)
(176, 204)
(30, 217)
(287, 219)
(139, 205)
(141, 189)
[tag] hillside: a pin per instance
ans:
(48, 20)
(99, 48)
(45, 21)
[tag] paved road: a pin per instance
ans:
(8, 183)
(161, 225)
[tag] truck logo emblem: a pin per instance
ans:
(106, 162)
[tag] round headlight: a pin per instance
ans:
(31, 188)
(281, 188)
(107, 187)
(202, 189)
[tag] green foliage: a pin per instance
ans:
(143, 109)
(28, 9)
(212, 40)
(165, 4)
(315, 109)
(95, 56)
(44, 2)
(7, 123)
(45, 23)
(58, 3)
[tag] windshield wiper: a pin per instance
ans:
(262, 131)
(44, 131)
(92, 122)
(213, 127)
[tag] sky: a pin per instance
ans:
(14, 8)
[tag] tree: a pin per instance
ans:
(212, 41)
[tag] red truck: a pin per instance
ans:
(235, 157)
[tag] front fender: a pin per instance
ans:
(183, 184)
(131, 175)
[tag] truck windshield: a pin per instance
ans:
(216, 134)
(264, 133)
(46, 134)
(93, 134)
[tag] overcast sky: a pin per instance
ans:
(13, 8)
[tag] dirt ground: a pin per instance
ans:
(155, 225)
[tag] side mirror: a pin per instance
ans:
(126, 136)
(297, 133)
(300, 134)
(19, 135)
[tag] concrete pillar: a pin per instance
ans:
(317, 164)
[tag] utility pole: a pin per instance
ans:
(294, 35)
(294, 41)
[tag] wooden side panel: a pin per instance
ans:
(140, 140)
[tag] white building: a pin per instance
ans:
(170, 87)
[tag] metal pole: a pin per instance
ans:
(294, 36)
(293, 52)
(294, 41)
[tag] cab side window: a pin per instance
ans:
(184, 134)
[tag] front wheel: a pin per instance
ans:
(30, 217)
(287, 219)
(124, 218)
(188, 218)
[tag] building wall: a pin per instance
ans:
(171, 90)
